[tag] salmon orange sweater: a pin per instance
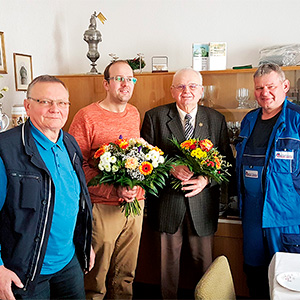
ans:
(94, 126)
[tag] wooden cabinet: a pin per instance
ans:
(228, 81)
(153, 89)
(228, 241)
(150, 91)
(83, 90)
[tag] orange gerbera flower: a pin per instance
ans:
(122, 143)
(186, 144)
(218, 163)
(206, 145)
(146, 168)
(99, 152)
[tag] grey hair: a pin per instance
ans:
(43, 78)
(267, 68)
(189, 69)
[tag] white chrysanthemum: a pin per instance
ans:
(105, 154)
(115, 168)
(100, 166)
(148, 156)
(106, 157)
(107, 167)
(161, 160)
(113, 159)
(155, 164)
(154, 154)
(132, 142)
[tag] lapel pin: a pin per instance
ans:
(200, 124)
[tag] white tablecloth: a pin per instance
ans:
(283, 262)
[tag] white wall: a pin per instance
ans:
(52, 32)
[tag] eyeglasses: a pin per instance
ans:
(182, 87)
(122, 79)
(49, 103)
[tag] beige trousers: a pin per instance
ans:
(116, 241)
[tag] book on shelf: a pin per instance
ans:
(209, 56)
(200, 56)
(217, 55)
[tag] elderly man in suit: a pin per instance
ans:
(189, 214)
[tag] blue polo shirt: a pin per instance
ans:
(60, 248)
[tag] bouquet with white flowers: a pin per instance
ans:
(131, 163)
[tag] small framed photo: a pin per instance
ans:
(23, 71)
(159, 64)
(3, 69)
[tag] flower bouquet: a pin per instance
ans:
(202, 158)
(131, 163)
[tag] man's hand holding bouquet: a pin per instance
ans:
(198, 158)
(130, 163)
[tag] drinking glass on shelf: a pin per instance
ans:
(233, 130)
(242, 95)
(252, 104)
(209, 95)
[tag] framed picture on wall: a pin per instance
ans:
(3, 69)
(23, 71)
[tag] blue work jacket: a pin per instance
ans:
(281, 174)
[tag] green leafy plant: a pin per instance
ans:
(136, 63)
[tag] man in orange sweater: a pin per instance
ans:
(115, 238)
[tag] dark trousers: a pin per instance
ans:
(257, 281)
(171, 245)
(65, 284)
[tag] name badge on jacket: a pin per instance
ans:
(251, 173)
(284, 155)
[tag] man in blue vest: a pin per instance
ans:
(45, 209)
(268, 167)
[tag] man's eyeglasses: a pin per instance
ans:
(49, 103)
(122, 79)
(182, 87)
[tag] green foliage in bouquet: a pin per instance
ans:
(202, 159)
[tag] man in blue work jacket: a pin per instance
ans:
(268, 167)
(45, 208)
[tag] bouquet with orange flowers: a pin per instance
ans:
(202, 158)
(131, 163)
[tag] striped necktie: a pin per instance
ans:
(188, 127)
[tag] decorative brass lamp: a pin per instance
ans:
(93, 36)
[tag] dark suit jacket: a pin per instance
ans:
(166, 212)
